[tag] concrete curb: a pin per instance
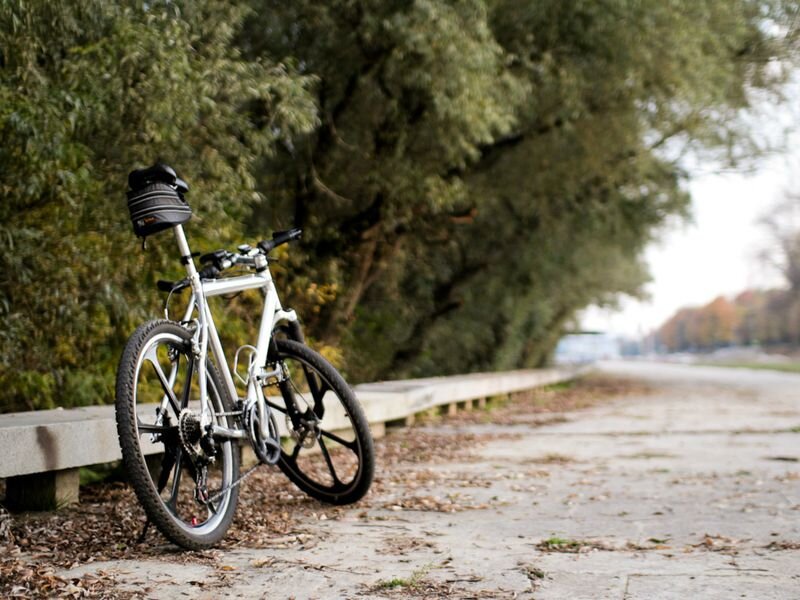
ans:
(42, 448)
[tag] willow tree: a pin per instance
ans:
(88, 91)
(469, 174)
(485, 169)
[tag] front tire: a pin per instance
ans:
(328, 453)
(162, 463)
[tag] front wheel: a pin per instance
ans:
(185, 494)
(327, 446)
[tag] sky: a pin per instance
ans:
(716, 253)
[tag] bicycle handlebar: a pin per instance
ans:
(220, 260)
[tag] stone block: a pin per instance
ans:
(42, 491)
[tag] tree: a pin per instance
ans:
(469, 175)
(89, 90)
(782, 223)
(714, 325)
(485, 169)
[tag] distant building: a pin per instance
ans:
(587, 347)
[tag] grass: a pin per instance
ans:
(412, 581)
(560, 387)
(113, 471)
(390, 584)
(561, 544)
(791, 367)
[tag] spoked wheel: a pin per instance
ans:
(158, 422)
(327, 446)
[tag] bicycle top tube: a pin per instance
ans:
(230, 285)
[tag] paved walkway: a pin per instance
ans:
(691, 491)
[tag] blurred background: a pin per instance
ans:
(476, 179)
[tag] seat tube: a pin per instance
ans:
(262, 350)
(202, 352)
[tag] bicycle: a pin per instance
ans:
(179, 413)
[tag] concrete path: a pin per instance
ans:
(691, 491)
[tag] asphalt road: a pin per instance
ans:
(691, 490)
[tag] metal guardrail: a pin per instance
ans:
(42, 451)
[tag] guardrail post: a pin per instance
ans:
(406, 421)
(42, 491)
(378, 430)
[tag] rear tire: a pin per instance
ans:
(142, 381)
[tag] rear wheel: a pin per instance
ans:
(183, 493)
(327, 446)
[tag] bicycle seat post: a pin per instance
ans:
(186, 253)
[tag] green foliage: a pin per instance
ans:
(89, 90)
(468, 175)
(484, 170)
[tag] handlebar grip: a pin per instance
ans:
(295, 233)
(279, 238)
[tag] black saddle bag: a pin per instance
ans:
(155, 206)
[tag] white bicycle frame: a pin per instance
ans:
(206, 334)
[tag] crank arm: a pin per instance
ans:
(226, 433)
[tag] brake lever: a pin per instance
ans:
(173, 286)
(209, 272)
(216, 256)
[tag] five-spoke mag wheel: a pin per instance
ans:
(327, 446)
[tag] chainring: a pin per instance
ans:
(267, 450)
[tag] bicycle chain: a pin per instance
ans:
(224, 491)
